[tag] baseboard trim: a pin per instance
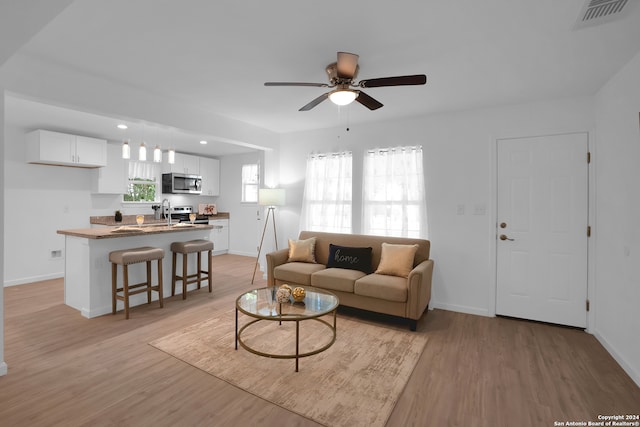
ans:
(3, 369)
(461, 309)
(635, 376)
(32, 279)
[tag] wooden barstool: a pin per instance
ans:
(186, 248)
(126, 257)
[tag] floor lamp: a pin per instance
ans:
(270, 197)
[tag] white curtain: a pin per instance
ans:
(393, 193)
(326, 203)
(143, 170)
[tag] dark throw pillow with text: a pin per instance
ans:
(350, 258)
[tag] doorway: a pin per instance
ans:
(542, 220)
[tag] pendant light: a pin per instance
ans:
(142, 153)
(126, 150)
(157, 154)
(171, 154)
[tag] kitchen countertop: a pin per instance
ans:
(132, 230)
(148, 219)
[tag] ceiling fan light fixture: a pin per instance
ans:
(343, 97)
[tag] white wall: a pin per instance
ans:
(618, 214)
(3, 365)
(459, 153)
(39, 200)
(245, 225)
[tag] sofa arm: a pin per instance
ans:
(419, 289)
(275, 259)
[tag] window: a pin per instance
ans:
(250, 183)
(326, 203)
(143, 182)
(393, 193)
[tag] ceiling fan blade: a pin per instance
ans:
(368, 101)
(347, 65)
(417, 79)
(315, 102)
(296, 84)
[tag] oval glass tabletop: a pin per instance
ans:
(261, 303)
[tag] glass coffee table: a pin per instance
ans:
(261, 306)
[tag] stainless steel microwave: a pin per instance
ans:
(179, 183)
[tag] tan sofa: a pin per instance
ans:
(398, 296)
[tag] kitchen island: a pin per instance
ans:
(87, 276)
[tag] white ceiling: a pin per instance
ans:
(216, 55)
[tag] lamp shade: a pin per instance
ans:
(271, 196)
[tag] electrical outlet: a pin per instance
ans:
(55, 254)
(460, 210)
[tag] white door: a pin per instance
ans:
(542, 228)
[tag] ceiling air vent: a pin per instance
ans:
(596, 12)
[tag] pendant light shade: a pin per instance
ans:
(126, 150)
(157, 154)
(171, 154)
(142, 153)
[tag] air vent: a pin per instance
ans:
(596, 12)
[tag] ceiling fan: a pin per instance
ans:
(342, 75)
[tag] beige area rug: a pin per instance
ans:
(356, 382)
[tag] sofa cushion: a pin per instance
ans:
(302, 250)
(396, 260)
(390, 288)
(336, 279)
(296, 272)
(350, 258)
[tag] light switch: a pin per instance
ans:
(480, 209)
(460, 210)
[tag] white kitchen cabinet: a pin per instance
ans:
(114, 177)
(185, 163)
(210, 172)
(220, 235)
(56, 148)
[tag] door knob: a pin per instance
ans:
(503, 225)
(504, 237)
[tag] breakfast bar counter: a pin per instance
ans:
(87, 279)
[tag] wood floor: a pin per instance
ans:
(475, 371)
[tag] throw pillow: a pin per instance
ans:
(302, 250)
(396, 260)
(350, 258)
